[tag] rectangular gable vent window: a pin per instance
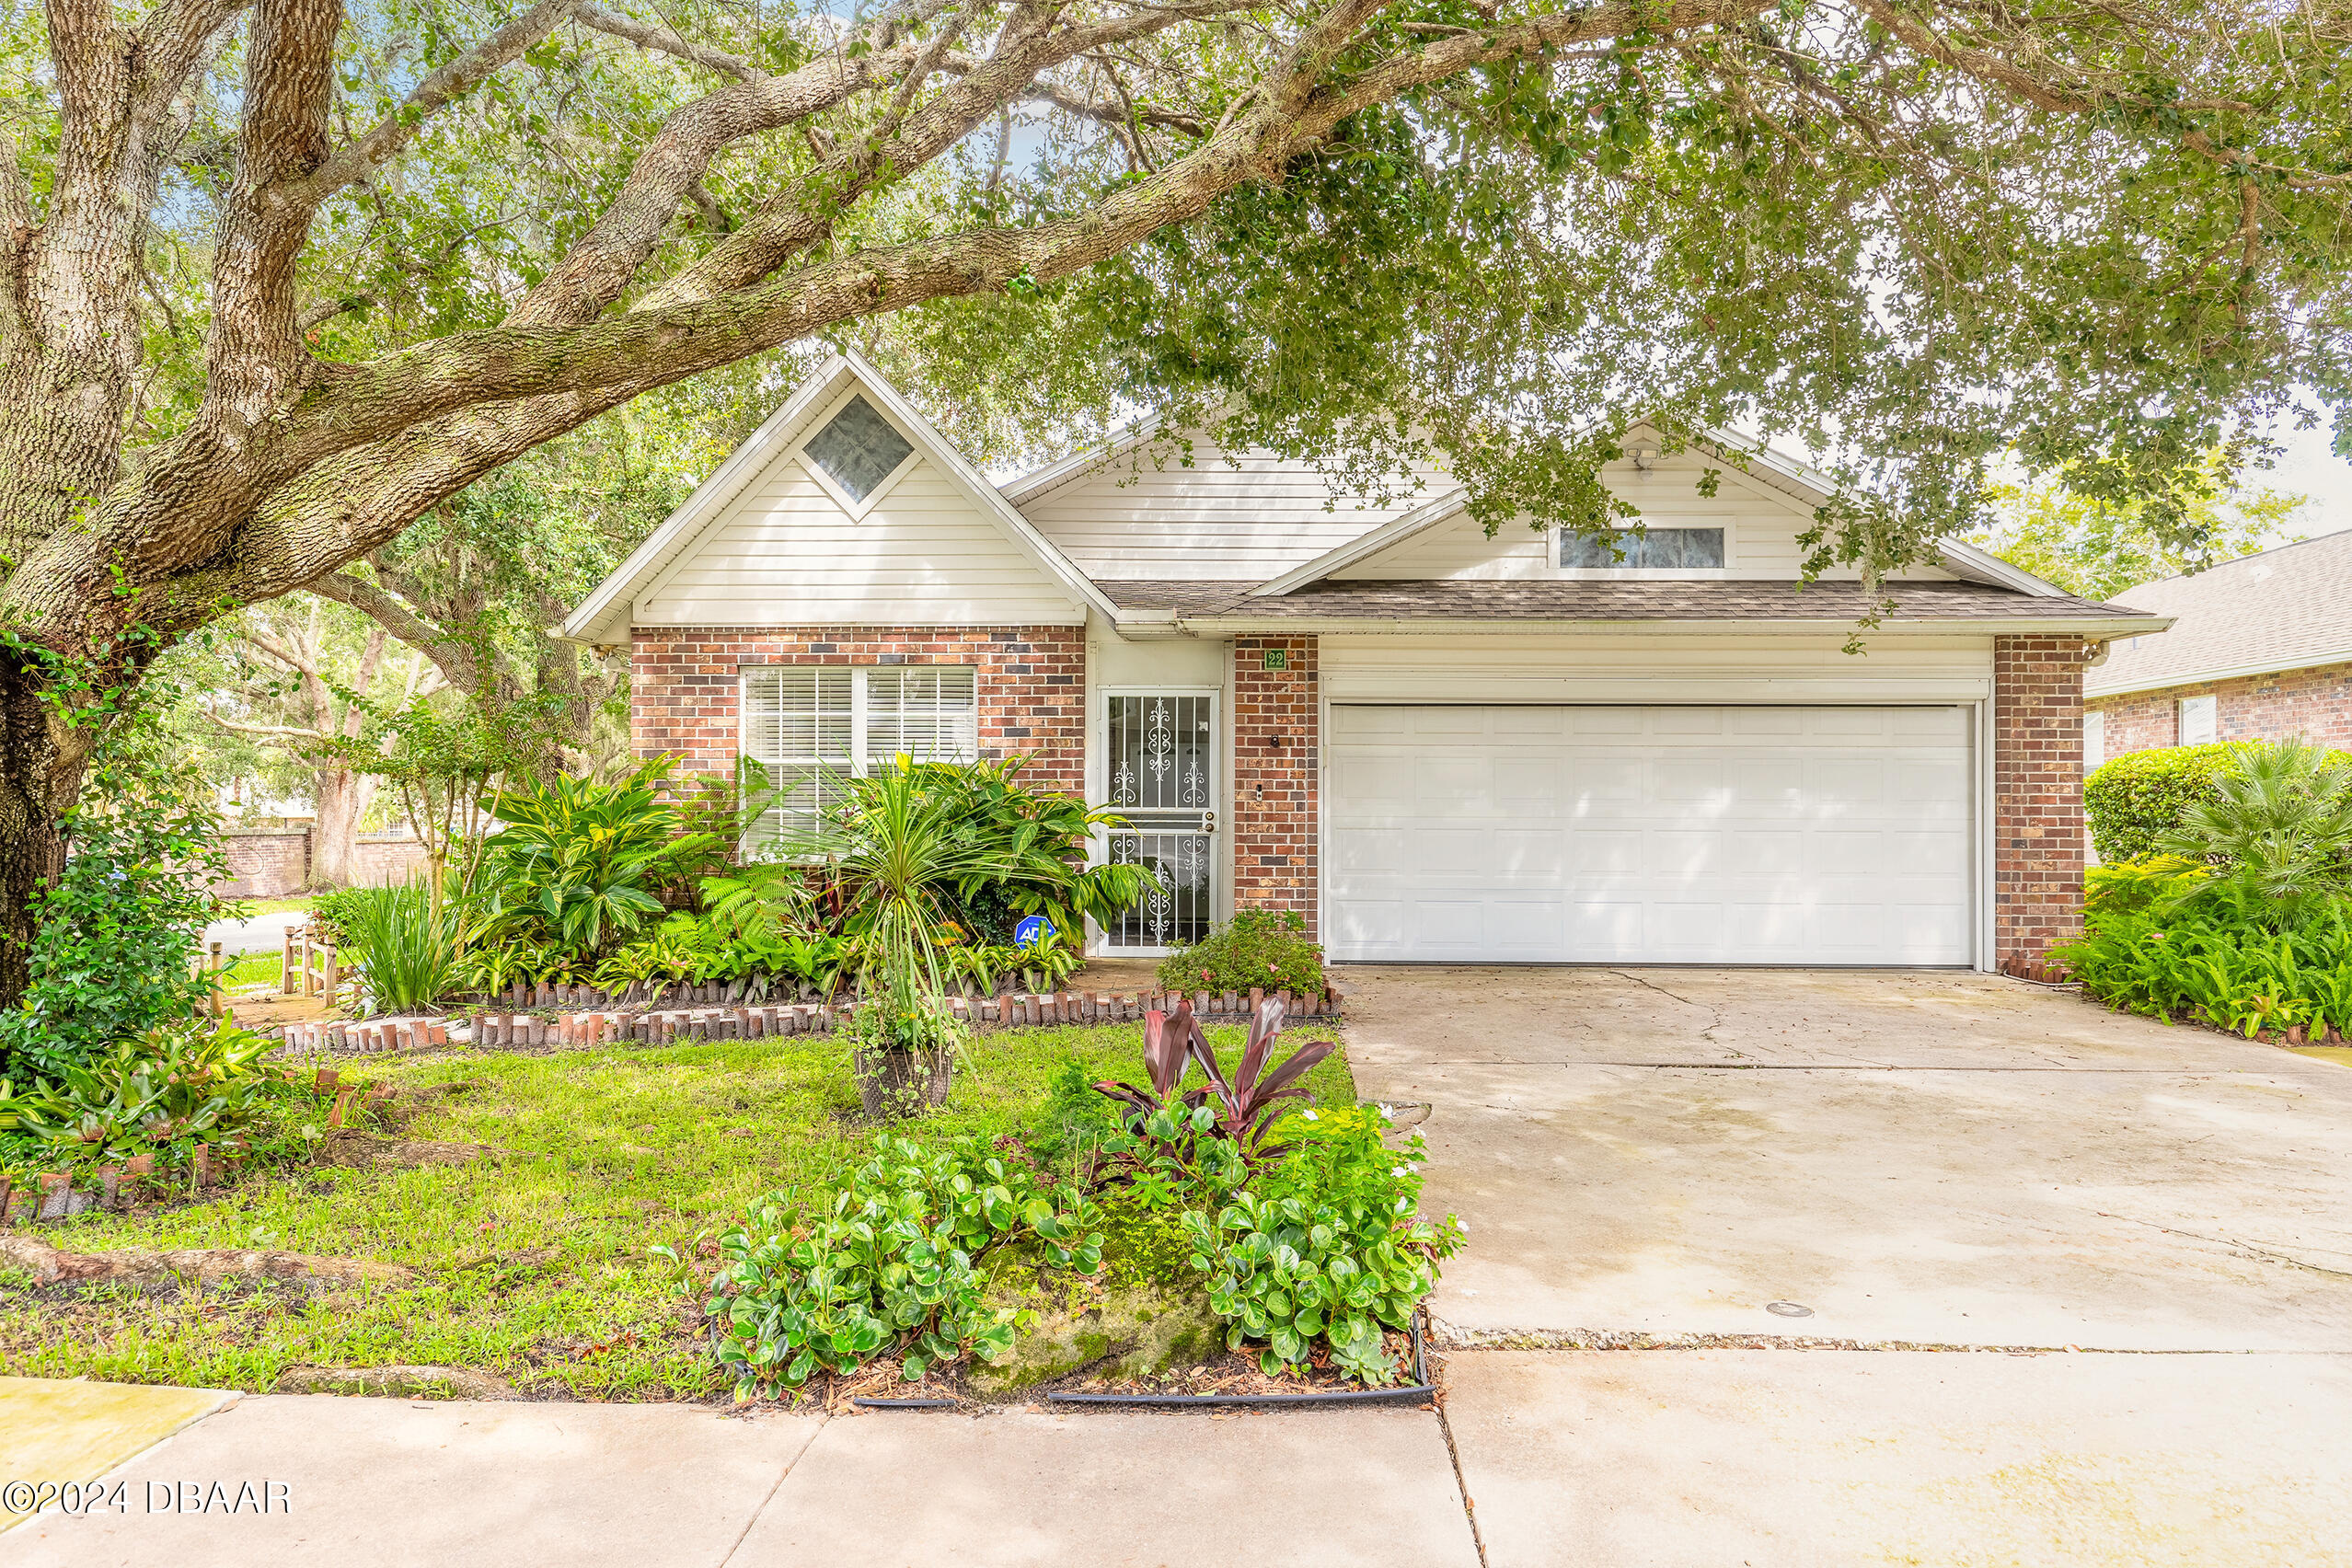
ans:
(2200, 721)
(1655, 550)
(858, 449)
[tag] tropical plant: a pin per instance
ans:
(407, 946)
(173, 1084)
(2226, 956)
(1324, 1248)
(886, 1265)
(2279, 823)
(1257, 948)
(1247, 1104)
(578, 862)
(1050, 957)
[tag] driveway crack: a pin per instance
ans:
(1715, 1014)
(2242, 1249)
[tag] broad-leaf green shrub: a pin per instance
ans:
(161, 1092)
(1267, 948)
(886, 1265)
(2137, 798)
(1325, 1248)
(118, 933)
(2176, 944)
(579, 865)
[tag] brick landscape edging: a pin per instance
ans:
(549, 1024)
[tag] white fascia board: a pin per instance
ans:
(982, 494)
(2218, 673)
(1969, 561)
(614, 594)
(1440, 625)
(1029, 486)
(1394, 531)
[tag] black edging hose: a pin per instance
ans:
(1419, 1392)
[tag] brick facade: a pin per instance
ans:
(2037, 796)
(685, 682)
(2315, 703)
(1277, 738)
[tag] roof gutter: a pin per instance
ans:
(2102, 631)
(2222, 673)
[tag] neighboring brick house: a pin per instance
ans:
(1433, 745)
(2260, 649)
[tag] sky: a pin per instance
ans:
(2308, 467)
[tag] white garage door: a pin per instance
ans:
(1649, 835)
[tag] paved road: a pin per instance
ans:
(259, 933)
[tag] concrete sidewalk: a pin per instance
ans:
(387, 1483)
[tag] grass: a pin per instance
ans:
(535, 1267)
(253, 906)
(254, 969)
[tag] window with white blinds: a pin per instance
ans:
(813, 727)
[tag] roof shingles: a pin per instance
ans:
(1605, 600)
(2284, 609)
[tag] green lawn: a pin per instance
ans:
(535, 1267)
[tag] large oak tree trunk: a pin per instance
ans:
(38, 780)
(342, 798)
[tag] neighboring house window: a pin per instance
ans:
(814, 726)
(2095, 739)
(2201, 720)
(1653, 549)
(858, 449)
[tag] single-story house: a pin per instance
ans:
(1433, 745)
(2260, 649)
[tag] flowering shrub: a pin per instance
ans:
(1265, 948)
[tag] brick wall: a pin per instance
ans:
(2314, 703)
(1032, 682)
(2037, 796)
(274, 862)
(266, 862)
(1275, 737)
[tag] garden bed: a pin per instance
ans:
(532, 1267)
(551, 1019)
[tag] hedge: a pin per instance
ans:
(2141, 794)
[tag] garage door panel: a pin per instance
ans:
(1593, 781)
(1660, 834)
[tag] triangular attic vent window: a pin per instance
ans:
(858, 449)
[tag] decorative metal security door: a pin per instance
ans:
(1162, 775)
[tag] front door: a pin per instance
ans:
(1160, 774)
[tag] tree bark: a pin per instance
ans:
(342, 800)
(39, 778)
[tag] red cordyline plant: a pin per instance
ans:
(1247, 1103)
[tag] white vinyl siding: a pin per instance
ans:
(784, 553)
(1148, 516)
(1760, 528)
(813, 727)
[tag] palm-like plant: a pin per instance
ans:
(579, 862)
(2280, 827)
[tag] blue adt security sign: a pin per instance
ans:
(1033, 929)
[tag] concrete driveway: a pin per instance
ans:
(1925, 1161)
